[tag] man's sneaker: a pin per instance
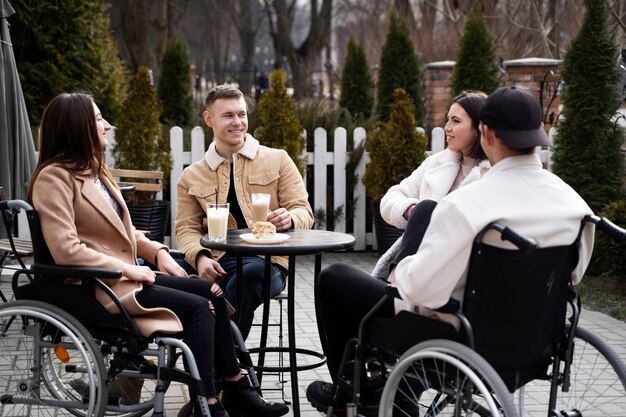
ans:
(320, 394)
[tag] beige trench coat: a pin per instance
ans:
(81, 228)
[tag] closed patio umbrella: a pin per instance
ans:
(17, 150)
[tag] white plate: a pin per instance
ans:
(279, 237)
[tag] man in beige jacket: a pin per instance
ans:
(235, 166)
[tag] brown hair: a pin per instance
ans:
(221, 91)
(472, 102)
(68, 135)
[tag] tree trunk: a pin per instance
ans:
(303, 57)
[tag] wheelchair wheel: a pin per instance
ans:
(597, 378)
(131, 393)
(43, 350)
(444, 378)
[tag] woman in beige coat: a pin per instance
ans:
(85, 222)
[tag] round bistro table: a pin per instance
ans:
(300, 242)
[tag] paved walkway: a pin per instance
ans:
(613, 331)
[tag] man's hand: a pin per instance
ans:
(169, 265)
(281, 218)
(139, 273)
(209, 269)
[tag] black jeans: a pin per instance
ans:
(345, 294)
(207, 333)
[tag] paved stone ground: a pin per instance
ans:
(611, 330)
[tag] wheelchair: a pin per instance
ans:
(63, 354)
(518, 333)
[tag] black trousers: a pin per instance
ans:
(207, 333)
(345, 294)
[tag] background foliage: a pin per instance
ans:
(139, 140)
(399, 68)
(476, 63)
(587, 148)
(395, 148)
(174, 87)
(357, 86)
(65, 46)
(279, 126)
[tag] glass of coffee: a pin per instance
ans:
(217, 220)
(260, 207)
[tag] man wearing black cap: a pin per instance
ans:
(517, 191)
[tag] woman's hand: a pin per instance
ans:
(408, 211)
(139, 273)
(167, 264)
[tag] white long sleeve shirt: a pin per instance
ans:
(516, 192)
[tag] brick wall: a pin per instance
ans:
(437, 93)
(526, 73)
(531, 74)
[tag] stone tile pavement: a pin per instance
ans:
(611, 330)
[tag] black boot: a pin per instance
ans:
(241, 400)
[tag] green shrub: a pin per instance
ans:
(395, 148)
(139, 140)
(608, 255)
(66, 46)
(399, 68)
(476, 64)
(174, 89)
(357, 86)
(587, 147)
(279, 126)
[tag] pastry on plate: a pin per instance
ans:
(264, 230)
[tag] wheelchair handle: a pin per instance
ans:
(523, 243)
(15, 204)
(606, 226)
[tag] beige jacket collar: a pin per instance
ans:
(249, 149)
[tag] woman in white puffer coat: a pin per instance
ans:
(461, 163)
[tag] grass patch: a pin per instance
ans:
(606, 294)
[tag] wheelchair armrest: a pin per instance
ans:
(451, 307)
(392, 291)
(75, 271)
(177, 254)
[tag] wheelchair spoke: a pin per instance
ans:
(42, 349)
(597, 383)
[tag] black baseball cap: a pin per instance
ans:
(515, 116)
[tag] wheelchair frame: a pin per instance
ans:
(59, 350)
(465, 383)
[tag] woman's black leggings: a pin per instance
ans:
(206, 332)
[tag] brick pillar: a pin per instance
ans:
(437, 93)
(531, 73)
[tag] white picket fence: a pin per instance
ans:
(320, 158)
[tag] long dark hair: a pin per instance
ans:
(68, 135)
(472, 102)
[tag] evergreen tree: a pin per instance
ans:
(357, 87)
(139, 140)
(476, 65)
(587, 147)
(395, 148)
(279, 126)
(66, 46)
(399, 68)
(174, 89)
